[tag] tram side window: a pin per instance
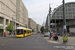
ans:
(28, 31)
(24, 31)
(21, 31)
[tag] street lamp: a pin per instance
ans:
(65, 38)
(55, 23)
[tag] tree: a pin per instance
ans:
(9, 27)
(33, 30)
(42, 29)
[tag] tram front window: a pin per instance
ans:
(19, 31)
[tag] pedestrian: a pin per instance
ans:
(49, 34)
(55, 37)
(40, 32)
(14, 32)
(4, 34)
(9, 33)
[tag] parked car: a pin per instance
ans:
(46, 34)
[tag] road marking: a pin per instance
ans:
(3, 44)
(71, 44)
(33, 37)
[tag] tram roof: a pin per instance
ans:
(29, 29)
(23, 28)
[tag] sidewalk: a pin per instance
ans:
(71, 40)
(7, 36)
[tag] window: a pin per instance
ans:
(29, 22)
(1, 27)
(6, 22)
(28, 31)
(24, 31)
(1, 20)
(69, 5)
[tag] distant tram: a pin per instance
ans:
(23, 32)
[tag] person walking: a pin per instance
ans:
(40, 32)
(49, 34)
(4, 34)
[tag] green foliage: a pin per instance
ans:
(42, 29)
(9, 27)
(33, 30)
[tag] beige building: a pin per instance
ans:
(38, 27)
(12, 9)
(31, 24)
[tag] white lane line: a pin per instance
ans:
(33, 37)
(3, 44)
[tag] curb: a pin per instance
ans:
(55, 42)
(8, 36)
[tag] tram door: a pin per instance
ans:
(25, 33)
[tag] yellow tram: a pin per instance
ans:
(29, 31)
(23, 32)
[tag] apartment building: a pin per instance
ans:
(32, 24)
(38, 27)
(13, 10)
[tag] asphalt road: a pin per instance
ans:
(33, 42)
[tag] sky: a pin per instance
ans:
(38, 9)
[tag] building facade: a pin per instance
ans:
(32, 24)
(69, 15)
(69, 11)
(47, 24)
(12, 10)
(38, 28)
